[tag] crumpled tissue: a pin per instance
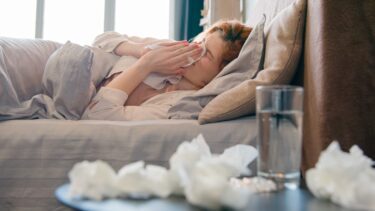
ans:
(94, 180)
(203, 177)
(255, 184)
(140, 181)
(347, 179)
(97, 180)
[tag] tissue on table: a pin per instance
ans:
(347, 179)
(204, 177)
(208, 184)
(184, 159)
(254, 184)
(94, 180)
(194, 171)
(139, 181)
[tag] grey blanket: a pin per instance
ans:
(66, 84)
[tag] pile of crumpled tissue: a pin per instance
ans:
(347, 179)
(205, 179)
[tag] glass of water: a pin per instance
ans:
(279, 111)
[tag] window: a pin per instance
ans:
(143, 18)
(79, 23)
(16, 21)
(81, 20)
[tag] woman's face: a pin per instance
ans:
(204, 70)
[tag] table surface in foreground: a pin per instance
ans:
(288, 200)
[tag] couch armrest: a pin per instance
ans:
(339, 77)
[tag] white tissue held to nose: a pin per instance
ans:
(191, 61)
(347, 179)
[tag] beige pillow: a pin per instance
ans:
(284, 38)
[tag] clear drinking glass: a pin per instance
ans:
(279, 111)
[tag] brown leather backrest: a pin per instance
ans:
(337, 70)
(271, 8)
(339, 76)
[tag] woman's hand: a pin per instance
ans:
(169, 57)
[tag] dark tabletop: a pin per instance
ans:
(288, 200)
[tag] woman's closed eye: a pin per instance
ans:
(210, 56)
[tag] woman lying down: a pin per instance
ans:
(150, 75)
(184, 66)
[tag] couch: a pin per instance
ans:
(338, 74)
(336, 70)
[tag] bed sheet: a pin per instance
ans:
(36, 155)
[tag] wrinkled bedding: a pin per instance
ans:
(36, 155)
(65, 79)
(58, 83)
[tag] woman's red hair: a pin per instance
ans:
(234, 33)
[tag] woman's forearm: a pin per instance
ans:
(129, 48)
(166, 60)
(128, 80)
(146, 40)
(136, 49)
